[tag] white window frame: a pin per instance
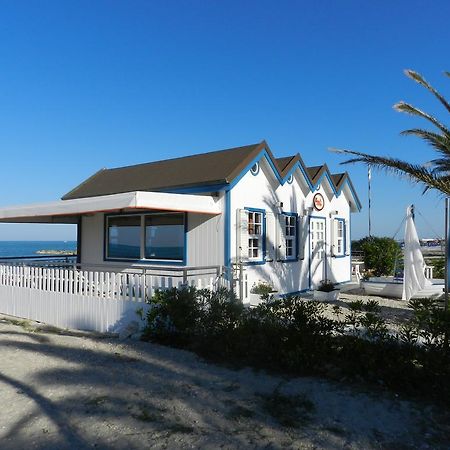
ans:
(339, 244)
(256, 234)
(288, 236)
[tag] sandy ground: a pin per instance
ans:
(394, 311)
(76, 391)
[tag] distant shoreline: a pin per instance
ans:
(56, 252)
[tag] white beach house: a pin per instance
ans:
(234, 217)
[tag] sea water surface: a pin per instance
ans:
(29, 248)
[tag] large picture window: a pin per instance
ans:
(124, 237)
(153, 237)
(164, 236)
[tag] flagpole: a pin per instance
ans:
(369, 177)
(447, 248)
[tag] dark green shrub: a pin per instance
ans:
(294, 336)
(380, 254)
(263, 289)
(326, 286)
(438, 267)
(174, 314)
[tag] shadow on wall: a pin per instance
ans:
(294, 276)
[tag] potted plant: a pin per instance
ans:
(261, 291)
(326, 292)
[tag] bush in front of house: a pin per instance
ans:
(292, 335)
(380, 254)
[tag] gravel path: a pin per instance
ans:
(77, 391)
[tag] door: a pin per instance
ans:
(317, 233)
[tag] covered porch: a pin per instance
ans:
(75, 292)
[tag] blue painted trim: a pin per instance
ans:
(144, 261)
(282, 181)
(342, 282)
(196, 189)
(289, 260)
(350, 243)
(296, 166)
(257, 159)
(263, 237)
(319, 182)
(289, 294)
(227, 230)
(358, 203)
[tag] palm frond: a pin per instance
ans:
(412, 110)
(421, 80)
(414, 172)
(441, 142)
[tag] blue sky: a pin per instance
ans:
(86, 85)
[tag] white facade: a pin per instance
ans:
(259, 224)
(315, 260)
(292, 255)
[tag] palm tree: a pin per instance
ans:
(434, 174)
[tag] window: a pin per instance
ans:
(124, 237)
(164, 236)
(156, 236)
(290, 236)
(255, 235)
(339, 237)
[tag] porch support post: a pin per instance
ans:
(79, 239)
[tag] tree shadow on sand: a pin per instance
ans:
(88, 392)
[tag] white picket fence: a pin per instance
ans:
(91, 300)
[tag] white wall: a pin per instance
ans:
(263, 191)
(204, 241)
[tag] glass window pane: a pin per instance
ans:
(124, 237)
(164, 236)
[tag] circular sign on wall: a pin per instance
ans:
(318, 202)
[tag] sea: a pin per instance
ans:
(29, 248)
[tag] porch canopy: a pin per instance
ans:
(68, 211)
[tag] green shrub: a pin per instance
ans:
(438, 267)
(326, 286)
(294, 336)
(174, 314)
(380, 254)
(263, 289)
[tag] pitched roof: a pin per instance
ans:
(205, 169)
(338, 178)
(218, 167)
(315, 172)
(284, 162)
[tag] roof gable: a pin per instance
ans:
(213, 171)
(213, 168)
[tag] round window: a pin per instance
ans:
(255, 169)
(290, 179)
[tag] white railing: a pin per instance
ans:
(69, 297)
(130, 285)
